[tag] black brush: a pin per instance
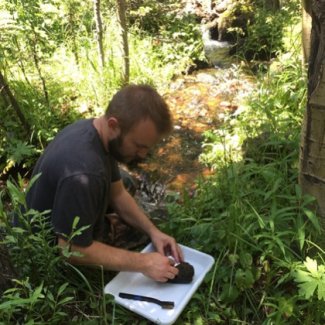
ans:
(161, 303)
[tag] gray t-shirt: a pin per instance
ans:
(76, 175)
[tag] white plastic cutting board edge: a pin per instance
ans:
(137, 283)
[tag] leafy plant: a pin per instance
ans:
(19, 152)
(311, 279)
(264, 38)
(47, 288)
(252, 213)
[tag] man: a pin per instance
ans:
(80, 177)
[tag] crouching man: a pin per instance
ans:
(80, 177)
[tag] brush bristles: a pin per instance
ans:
(167, 305)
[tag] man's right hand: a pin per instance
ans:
(158, 267)
(154, 265)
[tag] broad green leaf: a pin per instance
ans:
(321, 290)
(313, 219)
(37, 294)
(229, 293)
(62, 288)
(301, 236)
(302, 276)
(246, 260)
(50, 296)
(75, 223)
(311, 266)
(233, 258)
(65, 300)
(307, 289)
(15, 302)
(16, 194)
(32, 181)
(312, 279)
(244, 279)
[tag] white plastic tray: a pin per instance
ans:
(137, 283)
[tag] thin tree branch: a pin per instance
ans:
(8, 96)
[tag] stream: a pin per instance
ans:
(198, 102)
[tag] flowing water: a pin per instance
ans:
(199, 102)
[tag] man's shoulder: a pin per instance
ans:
(77, 148)
(78, 136)
(77, 126)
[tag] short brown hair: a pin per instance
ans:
(135, 103)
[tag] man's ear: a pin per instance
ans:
(113, 126)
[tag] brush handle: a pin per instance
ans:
(138, 297)
(163, 304)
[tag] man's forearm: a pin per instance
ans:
(153, 265)
(129, 210)
(111, 258)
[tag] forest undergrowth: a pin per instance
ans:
(250, 215)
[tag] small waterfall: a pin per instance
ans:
(216, 52)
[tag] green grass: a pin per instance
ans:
(83, 89)
(251, 215)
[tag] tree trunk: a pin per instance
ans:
(32, 43)
(20, 60)
(306, 29)
(99, 33)
(8, 96)
(312, 154)
(72, 18)
(121, 6)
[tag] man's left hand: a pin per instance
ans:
(167, 245)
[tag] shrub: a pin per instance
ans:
(46, 289)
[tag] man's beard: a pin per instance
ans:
(114, 149)
(114, 146)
